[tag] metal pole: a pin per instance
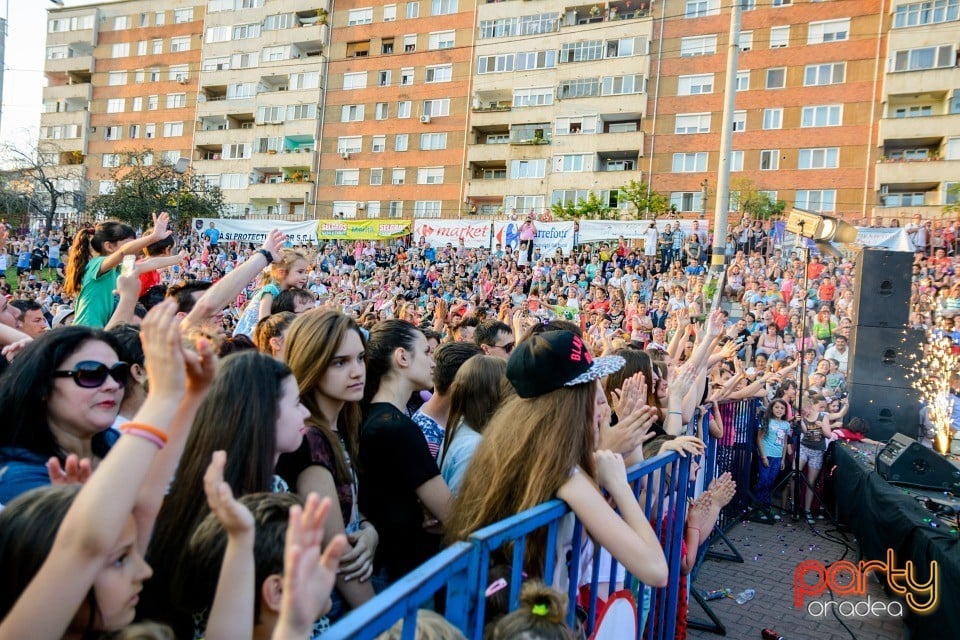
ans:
(726, 133)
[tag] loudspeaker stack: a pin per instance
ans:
(883, 351)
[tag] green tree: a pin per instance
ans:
(143, 188)
(49, 179)
(953, 194)
(593, 207)
(753, 201)
(645, 200)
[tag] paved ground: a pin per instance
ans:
(771, 553)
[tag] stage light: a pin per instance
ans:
(820, 228)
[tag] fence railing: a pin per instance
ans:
(458, 576)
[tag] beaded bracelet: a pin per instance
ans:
(145, 431)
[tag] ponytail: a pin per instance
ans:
(88, 240)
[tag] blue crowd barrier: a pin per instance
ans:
(461, 571)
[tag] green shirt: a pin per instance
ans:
(95, 303)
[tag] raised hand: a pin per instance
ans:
(235, 518)
(201, 366)
(163, 349)
(75, 470)
(684, 445)
(715, 324)
(274, 243)
(160, 223)
(611, 470)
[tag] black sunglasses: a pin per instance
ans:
(507, 347)
(90, 374)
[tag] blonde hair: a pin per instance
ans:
(430, 626)
(540, 617)
(279, 269)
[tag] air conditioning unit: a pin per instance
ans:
(425, 119)
(345, 155)
(361, 206)
(182, 79)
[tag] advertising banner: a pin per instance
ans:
(255, 231)
(361, 229)
(474, 233)
(608, 230)
(550, 236)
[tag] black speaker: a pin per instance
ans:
(906, 461)
(889, 410)
(883, 355)
(883, 288)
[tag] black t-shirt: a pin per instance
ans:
(394, 461)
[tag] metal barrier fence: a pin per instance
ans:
(459, 574)
(741, 419)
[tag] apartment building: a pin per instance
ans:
(396, 109)
(919, 142)
(259, 94)
(121, 77)
(807, 102)
(558, 101)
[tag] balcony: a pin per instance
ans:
(925, 81)
(286, 159)
(221, 137)
(76, 36)
(597, 12)
(485, 153)
(918, 175)
(311, 36)
(487, 188)
(918, 127)
(531, 134)
(279, 190)
(903, 214)
(79, 93)
(79, 63)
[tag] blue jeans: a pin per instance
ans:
(766, 480)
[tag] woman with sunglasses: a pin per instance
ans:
(59, 396)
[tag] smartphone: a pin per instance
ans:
(129, 262)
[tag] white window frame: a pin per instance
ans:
(824, 31)
(818, 158)
(832, 68)
(439, 40)
(780, 36)
(694, 85)
(690, 162)
(770, 158)
(825, 115)
(815, 199)
(363, 15)
(772, 118)
(691, 123)
(783, 72)
(704, 45)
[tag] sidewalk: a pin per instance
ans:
(771, 553)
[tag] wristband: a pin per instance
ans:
(142, 430)
(674, 413)
(266, 254)
(145, 435)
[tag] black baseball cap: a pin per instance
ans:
(545, 362)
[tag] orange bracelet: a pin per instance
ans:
(159, 433)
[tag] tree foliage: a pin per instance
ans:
(49, 184)
(953, 194)
(755, 202)
(143, 188)
(593, 207)
(646, 201)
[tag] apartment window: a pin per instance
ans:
(172, 129)
(779, 37)
(824, 158)
(360, 16)
(686, 200)
(689, 162)
(828, 115)
(743, 81)
(406, 76)
(685, 123)
(160, 18)
(379, 144)
(272, 54)
(111, 133)
(386, 46)
(439, 107)
(380, 111)
(578, 88)
(134, 131)
(430, 175)
(924, 58)
(396, 207)
(739, 121)
(142, 48)
(695, 85)
(181, 16)
(443, 7)
(745, 42)
(115, 105)
(412, 10)
(176, 100)
(441, 40)
(218, 34)
(701, 8)
(409, 43)
(769, 159)
(180, 44)
(928, 12)
(502, 63)
(698, 46)
(621, 85)
(777, 78)
(154, 75)
(306, 80)
(529, 60)
(383, 78)
(111, 160)
(520, 169)
(426, 208)
(149, 131)
(236, 151)
(573, 163)
(951, 192)
(828, 31)
(351, 113)
(824, 74)
(347, 177)
(401, 142)
(389, 12)
(355, 80)
(178, 72)
(497, 138)
(563, 126)
(582, 51)
(433, 141)
(241, 90)
(120, 23)
(301, 111)
(119, 50)
(117, 78)
(153, 103)
(782, 3)
(439, 73)
(234, 181)
(625, 47)
(736, 161)
(916, 111)
(349, 144)
(773, 118)
(404, 109)
(156, 46)
(376, 176)
(816, 199)
(907, 199)
(533, 97)
(398, 176)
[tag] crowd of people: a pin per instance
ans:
(187, 420)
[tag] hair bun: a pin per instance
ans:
(542, 601)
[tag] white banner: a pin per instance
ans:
(606, 230)
(550, 236)
(438, 233)
(892, 238)
(255, 231)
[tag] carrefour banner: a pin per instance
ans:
(473, 233)
(255, 231)
(550, 236)
(361, 229)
